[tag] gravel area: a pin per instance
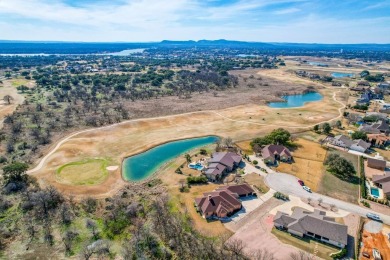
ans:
(373, 227)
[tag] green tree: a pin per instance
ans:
(340, 166)
(22, 88)
(316, 128)
(326, 128)
(359, 135)
(188, 157)
(338, 124)
(277, 136)
(255, 162)
(15, 172)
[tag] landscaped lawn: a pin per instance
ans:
(334, 187)
(312, 246)
(257, 181)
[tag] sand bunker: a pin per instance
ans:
(112, 168)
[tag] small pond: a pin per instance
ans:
(296, 100)
(342, 75)
(141, 166)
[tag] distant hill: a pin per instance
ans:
(20, 47)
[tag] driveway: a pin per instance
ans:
(249, 204)
(288, 184)
(255, 231)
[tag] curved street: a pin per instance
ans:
(288, 184)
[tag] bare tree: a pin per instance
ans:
(309, 200)
(8, 99)
(333, 207)
(87, 251)
(301, 255)
(320, 200)
(68, 239)
(235, 247)
(262, 255)
(90, 224)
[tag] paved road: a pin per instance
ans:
(288, 184)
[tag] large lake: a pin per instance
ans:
(342, 75)
(141, 166)
(296, 100)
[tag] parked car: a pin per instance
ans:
(301, 183)
(373, 216)
(306, 188)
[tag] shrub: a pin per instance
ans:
(203, 152)
(340, 254)
(365, 204)
(281, 196)
(178, 171)
(255, 162)
(3, 159)
(197, 179)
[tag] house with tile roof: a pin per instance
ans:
(272, 153)
(222, 202)
(221, 163)
(315, 225)
(345, 142)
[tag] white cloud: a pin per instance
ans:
(287, 11)
(154, 20)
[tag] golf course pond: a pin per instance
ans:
(296, 100)
(140, 166)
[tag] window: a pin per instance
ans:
(310, 234)
(325, 238)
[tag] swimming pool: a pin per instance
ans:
(196, 166)
(374, 192)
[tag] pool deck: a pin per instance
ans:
(369, 185)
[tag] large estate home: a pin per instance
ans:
(221, 163)
(379, 127)
(222, 202)
(272, 153)
(345, 142)
(313, 224)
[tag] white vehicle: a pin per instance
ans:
(373, 216)
(306, 188)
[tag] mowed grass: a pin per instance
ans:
(85, 172)
(308, 163)
(334, 187)
(305, 244)
(257, 181)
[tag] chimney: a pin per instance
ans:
(209, 197)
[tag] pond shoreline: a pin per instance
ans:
(122, 165)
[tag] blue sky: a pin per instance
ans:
(322, 21)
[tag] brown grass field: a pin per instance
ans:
(334, 187)
(125, 139)
(8, 88)
(308, 163)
